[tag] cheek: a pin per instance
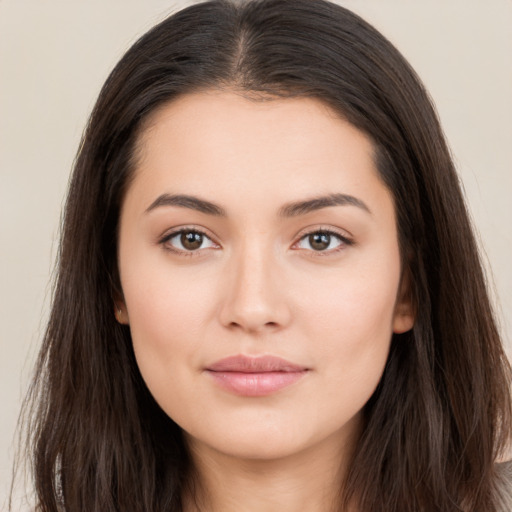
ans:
(161, 302)
(166, 327)
(349, 321)
(355, 305)
(169, 311)
(356, 331)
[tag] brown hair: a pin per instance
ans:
(441, 415)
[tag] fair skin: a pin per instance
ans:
(247, 266)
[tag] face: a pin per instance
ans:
(260, 272)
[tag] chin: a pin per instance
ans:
(262, 446)
(269, 441)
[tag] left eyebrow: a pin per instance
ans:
(317, 203)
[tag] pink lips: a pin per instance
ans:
(255, 376)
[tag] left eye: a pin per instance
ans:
(189, 240)
(321, 241)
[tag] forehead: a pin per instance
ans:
(220, 142)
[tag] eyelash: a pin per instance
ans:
(343, 239)
(164, 241)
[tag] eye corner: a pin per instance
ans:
(324, 238)
(191, 247)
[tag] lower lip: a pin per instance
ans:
(256, 384)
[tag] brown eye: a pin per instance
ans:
(323, 241)
(319, 241)
(191, 240)
(187, 240)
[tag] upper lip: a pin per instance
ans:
(260, 364)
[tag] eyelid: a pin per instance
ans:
(171, 233)
(345, 238)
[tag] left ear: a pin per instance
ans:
(405, 310)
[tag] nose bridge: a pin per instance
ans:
(254, 298)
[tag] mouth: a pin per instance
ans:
(255, 376)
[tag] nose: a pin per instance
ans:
(255, 296)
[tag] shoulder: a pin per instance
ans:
(504, 486)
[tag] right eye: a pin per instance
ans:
(188, 240)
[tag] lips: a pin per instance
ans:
(255, 376)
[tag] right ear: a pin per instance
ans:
(120, 309)
(121, 313)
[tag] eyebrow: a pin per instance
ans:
(186, 201)
(317, 203)
(293, 209)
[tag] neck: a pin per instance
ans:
(308, 481)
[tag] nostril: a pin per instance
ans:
(254, 327)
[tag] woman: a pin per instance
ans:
(269, 295)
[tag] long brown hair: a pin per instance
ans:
(441, 415)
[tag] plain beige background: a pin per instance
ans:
(54, 57)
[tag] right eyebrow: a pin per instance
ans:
(186, 201)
